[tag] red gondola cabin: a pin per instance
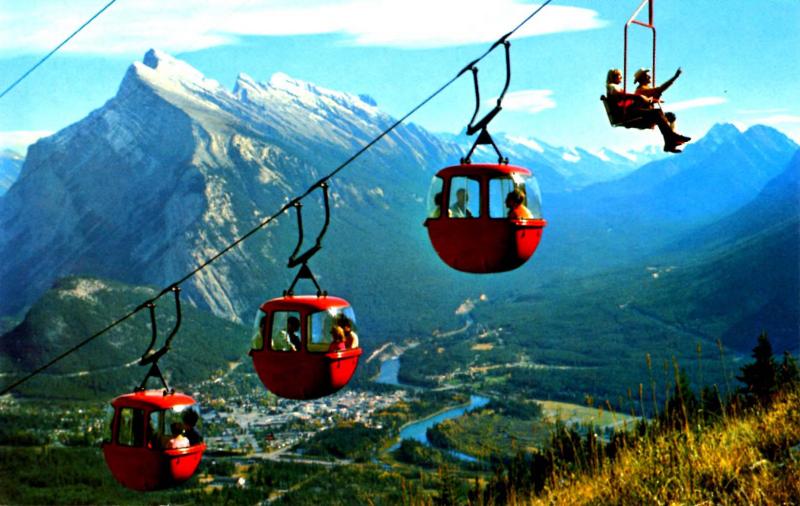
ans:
(138, 454)
(294, 351)
(468, 221)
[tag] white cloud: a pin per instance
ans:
(19, 140)
(530, 101)
(777, 119)
(774, 110)
(694, 103)
(185, 25)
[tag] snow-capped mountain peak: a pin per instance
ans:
(164, 69)
(172, 167)
(313, 95)
(282, 81)
(528, 142)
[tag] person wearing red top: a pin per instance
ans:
(350, 336)
(337, 334)
(640, 104)
(516, 208)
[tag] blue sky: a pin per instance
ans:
(738, 56)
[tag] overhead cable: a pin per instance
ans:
(280, 211)
(51, 53)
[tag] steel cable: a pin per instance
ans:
(51, 53)
(271, 218)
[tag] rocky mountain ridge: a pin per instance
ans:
(174, 167)
(171, 170)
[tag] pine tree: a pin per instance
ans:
(682, 405)
(448, 493)
(760, 377)
(711, 403)
(788, 372)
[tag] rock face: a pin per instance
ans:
(174, 167)
(10, 165)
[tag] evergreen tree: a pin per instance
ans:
(682, 405)
(760, 377)
(788, 372)
(475, 495)
(448, 493)
(711, 403)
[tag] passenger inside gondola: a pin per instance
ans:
(437, 206)
(350, 336)
(293, 332)
(459, 208)
(515, 202)
(257, 342)
(285, 331)
(190, 418)
(337, 336)
(175, 439)
(173, 428)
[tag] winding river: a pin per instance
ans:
(417, 430)
(388, 372)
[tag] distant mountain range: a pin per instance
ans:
(560, 169)
(612, 223)
(174, 167)
(719, 226)
(744, 275)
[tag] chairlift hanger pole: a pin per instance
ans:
(649, 25)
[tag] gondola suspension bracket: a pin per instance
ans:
(481, 127)
(151, 356)
(301, 259)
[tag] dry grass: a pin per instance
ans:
(754, 459)
(568, 412)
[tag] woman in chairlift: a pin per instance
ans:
(642, 104)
